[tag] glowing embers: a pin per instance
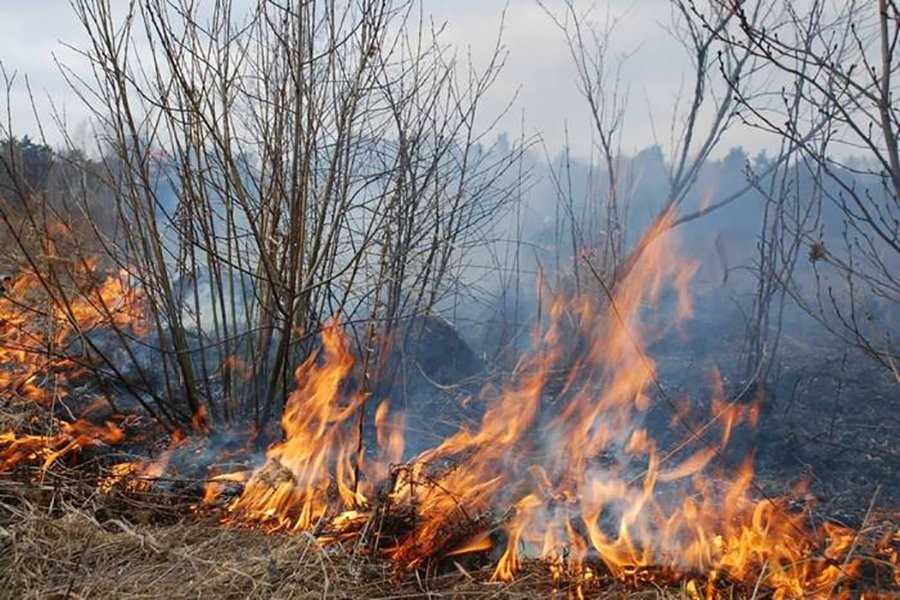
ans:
(44, 327)
(43, 351)
(46, 449)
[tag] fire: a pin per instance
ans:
(559, 469)
(311, 470)
(37, 333)
(40, 354)
(71, 438)
(570, 482)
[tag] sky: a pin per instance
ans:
(36, 35)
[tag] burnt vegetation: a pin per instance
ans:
(296, 283)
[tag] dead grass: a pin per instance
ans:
(61, 542)
(60, 538)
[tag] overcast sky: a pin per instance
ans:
(33, 34)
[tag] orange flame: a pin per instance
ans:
(36, 362)
(559, 465)
(313, 465)
(581, 477)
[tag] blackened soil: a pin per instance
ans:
(830, 414)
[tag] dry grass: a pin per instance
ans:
(61, 538)
(60, 542)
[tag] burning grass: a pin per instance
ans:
(61, 539)
(570, 486)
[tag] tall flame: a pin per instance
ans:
(559, 468)
(312, 468)
(568, 472)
